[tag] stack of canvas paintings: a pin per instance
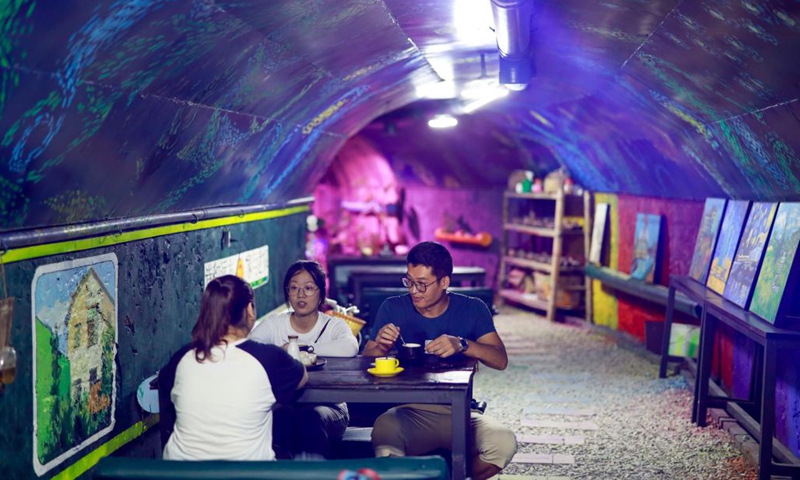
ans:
(780, 266)
(706, 238)
(728, 241)
(645, 247)
(748, 255)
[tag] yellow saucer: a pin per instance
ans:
(386, 374)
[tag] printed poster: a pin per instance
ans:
(74, 315)
(251, 266)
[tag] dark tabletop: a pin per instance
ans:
(433, 372)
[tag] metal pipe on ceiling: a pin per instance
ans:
(512, 19)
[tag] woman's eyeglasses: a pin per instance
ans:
(421, 287)
(309, 290)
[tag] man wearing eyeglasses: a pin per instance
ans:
(447, 324)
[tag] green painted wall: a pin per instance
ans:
(160, 282)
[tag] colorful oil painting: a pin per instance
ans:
(778, 260)
(728, 241)
(645, 248)
(748, 255)
(706, 238)
(74, 310)
(598, 232)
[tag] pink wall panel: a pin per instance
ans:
(478, 210)
(681, 219)
(680, 225)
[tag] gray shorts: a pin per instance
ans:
(418, 429)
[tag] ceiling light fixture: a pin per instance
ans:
(443, 121)
(438, 90)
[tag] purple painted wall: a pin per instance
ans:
(361, 174)
(475, 210)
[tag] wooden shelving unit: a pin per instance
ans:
(547, 235)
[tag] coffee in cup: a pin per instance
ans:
(386, 364)
(411, 351)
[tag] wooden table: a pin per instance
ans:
(436, 381)
(718, 310)
(391, 276)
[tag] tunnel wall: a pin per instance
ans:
(159, 286)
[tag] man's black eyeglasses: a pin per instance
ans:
(421, 287)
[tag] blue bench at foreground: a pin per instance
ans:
(389, 468)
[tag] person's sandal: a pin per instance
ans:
(476, 405)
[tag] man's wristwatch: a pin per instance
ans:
(464, 344)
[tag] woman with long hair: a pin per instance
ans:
(217, 394)
(306, 431)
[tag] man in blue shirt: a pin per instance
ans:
(447, 324)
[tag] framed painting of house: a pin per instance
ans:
(774, 295)
(706, 238)
(598, 233)
(74, 316)
(728, 241)
(750, 252)
(645, 247)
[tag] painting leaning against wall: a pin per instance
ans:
(779, 258)
(74, 315)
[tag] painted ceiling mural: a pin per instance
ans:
(114, 109)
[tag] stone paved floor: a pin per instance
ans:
(585, 408)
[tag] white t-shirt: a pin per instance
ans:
(222, 409)
(336, 341)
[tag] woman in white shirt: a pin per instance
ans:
(306, 431)
(217, 394)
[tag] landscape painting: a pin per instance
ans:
(728, 241)
(748, 256)
(645, 247)
(778, 260)
(74, 314)
(706, 238)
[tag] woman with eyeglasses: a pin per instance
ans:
(306, 431)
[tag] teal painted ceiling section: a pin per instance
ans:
(128, 108)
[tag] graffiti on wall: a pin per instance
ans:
(74, 315)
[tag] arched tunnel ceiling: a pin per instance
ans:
(127, 108)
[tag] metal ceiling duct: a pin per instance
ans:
(512, 19)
